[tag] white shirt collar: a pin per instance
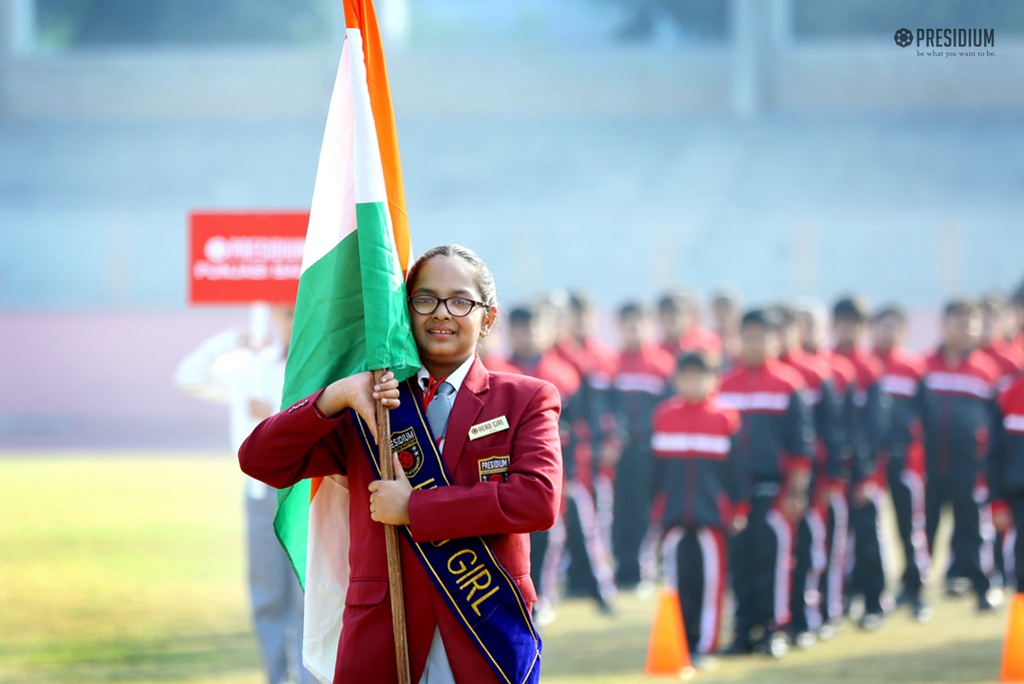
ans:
(455, 379)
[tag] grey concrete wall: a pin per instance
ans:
(907, 207)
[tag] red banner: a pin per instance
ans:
(244, 258)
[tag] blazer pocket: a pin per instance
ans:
(490, 464)
(366, 592)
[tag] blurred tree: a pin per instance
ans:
(66, 23)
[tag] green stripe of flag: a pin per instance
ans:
(350, 316)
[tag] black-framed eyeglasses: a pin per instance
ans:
(425, 304)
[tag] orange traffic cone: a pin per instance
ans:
(1013, 647)
(667, 652)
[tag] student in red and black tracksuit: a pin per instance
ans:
(1015, 339)
(903, 373)
(696, 468)
(962, 415)
(867, 419)
(593, 428)
(681, 331)
(774, 447)
(1015, 335)
(811, 550)
(995, 321)
(958, 580)
(726, 313)
(1006, 471)
(531, 334)
(832, 482)
(640, 383)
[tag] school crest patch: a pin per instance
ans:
(493, 469)
(410, 455)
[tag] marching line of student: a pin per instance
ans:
(755, 459)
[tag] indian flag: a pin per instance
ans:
(350, 313)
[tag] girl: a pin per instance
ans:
(497, 436)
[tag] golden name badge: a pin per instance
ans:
(488, 428)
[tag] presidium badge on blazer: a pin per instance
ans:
(410, 455)
(493, 469)
(488, 427)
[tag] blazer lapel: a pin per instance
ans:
(464, 413)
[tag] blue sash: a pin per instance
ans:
(479, 591)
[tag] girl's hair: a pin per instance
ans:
(482, 276)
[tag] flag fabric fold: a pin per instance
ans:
(350, 312)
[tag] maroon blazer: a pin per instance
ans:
(298, 443)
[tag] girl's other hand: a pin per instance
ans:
(389, 499)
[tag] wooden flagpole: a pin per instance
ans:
(387, 472)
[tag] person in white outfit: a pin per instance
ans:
(245, 370)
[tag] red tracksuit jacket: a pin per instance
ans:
(640, 383)
(696, 467)
(961, 413)
(820, 398)
(1006, 467)
(1008, 357)
(776, 433)
(590, 412)
(901, 380)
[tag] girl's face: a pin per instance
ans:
(445, 341)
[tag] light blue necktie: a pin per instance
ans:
(440, 408)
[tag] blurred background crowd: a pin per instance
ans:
(834, 415)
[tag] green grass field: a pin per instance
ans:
(130, 567)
